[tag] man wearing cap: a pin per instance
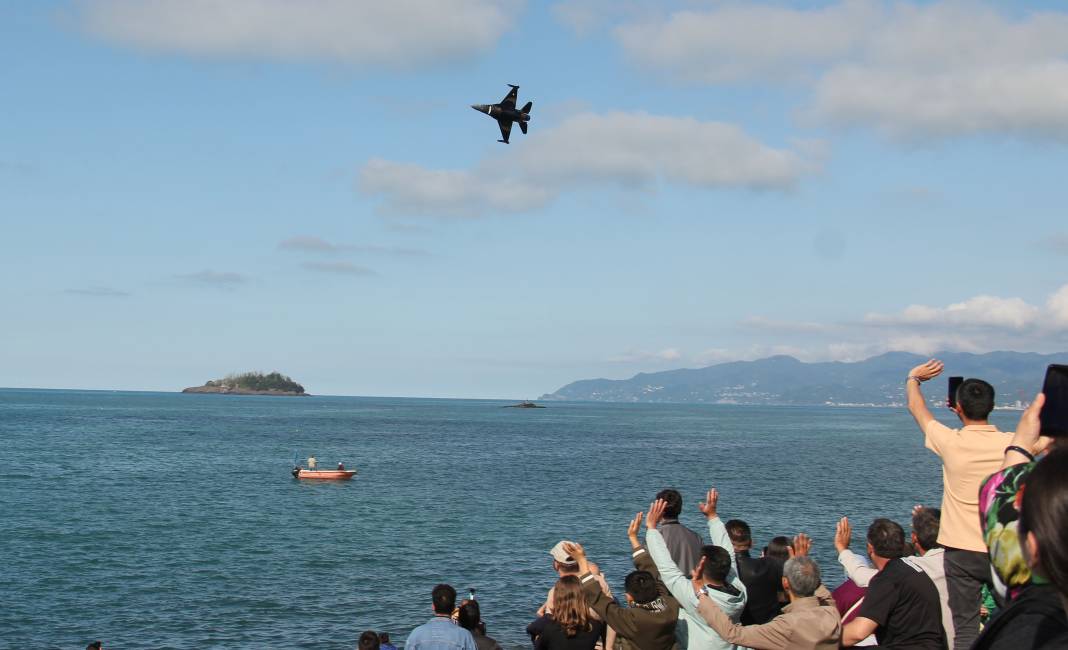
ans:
(565, 565)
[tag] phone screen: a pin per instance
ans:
(954, 384)
(1054, 414)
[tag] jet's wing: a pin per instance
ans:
(506, 129)
(509, 99)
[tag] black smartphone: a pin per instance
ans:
(954, 384)
(1054, 416)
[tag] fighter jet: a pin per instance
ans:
(505, 113)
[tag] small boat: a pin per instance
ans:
(324, 474)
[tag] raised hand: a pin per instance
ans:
(842, 534)
(575, 550)
(926, 371)
(656, 513)
(697, 578)
(708, 506)
(802, 546)
(632, 531)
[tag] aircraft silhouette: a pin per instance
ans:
(506, 113)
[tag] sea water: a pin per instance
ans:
(154, 520)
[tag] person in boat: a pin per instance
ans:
(341, 467)
(312, 462)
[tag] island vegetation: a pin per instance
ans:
(251, 383)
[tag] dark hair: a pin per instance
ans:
(975, 398)
(641, 585)
(674, 502)
(383, 637)
(739, 532)
(95, 645)
(778, 548)
(444, 599)
(368, 641)
(470, 615)
(925, 524)
(887, 538)
(717, 562)
(1045, 513)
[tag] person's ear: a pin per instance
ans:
(785, 584)
(1030, 548)
(915, 541)
(871, 550)
(630, 599)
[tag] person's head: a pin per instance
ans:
(975, 400)
(640, 587)
(383, 637)
(925, 522)
(368, 641)
(444, 599)
(740, 534)
(674, 502)
(800, 576)
(778, 548)
(717, 564)
(1044, 520)
(95, 645)
(886, 540)
(470, 615)
(570, 609)
(563, 563)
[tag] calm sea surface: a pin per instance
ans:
(154, 520)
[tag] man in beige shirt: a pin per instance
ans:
(809, 622)
(969, 455)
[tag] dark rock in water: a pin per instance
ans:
(524, 405)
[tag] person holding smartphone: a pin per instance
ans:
(969, 455)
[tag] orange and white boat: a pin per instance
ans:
(324, 474)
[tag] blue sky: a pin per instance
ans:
(195, 187)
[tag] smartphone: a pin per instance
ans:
(1054, 416)
(954, 384)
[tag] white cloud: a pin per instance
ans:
(666, 355)
(396, 34)
(306, 244)
(980, 311)
(934, 69)
(624, 150)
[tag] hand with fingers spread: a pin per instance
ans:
(842, 534)
(708, 506)
(632, 531)
(927, 371)
(575, 550)
(1028, 434)
(656, 513)
(801, 547)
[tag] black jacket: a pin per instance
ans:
(762, 578)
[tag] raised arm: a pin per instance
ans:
(677, 583)
(774, 634)
(717, 531)
(856, 569)
(917, 404)
(1028, 435)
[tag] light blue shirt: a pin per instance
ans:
(440, 633)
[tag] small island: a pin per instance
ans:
(524, 405)
(251, 383)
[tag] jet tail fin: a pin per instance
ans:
(526, 109)
(523, 127)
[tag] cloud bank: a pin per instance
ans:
(621, 150)
(936, 69)
(399, 34)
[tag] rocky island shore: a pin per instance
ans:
(251, 383)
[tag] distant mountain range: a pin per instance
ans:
(880, 380)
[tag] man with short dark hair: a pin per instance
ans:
(761, 576)
(901, 607)
(368, 641)
(648, 622)
(929, 559)
(809, 622)
(683, 543)
(969, 455)
(440, 633)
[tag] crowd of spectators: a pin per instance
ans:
(1002, 528)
